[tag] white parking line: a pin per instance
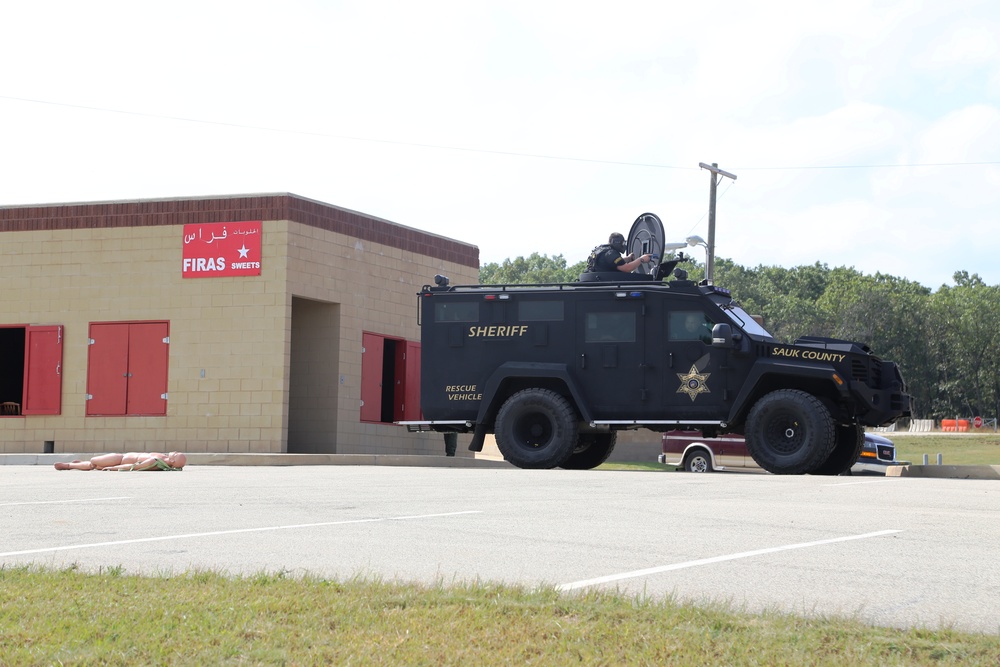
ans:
(54, 502)
(716, 559)
(232, 532)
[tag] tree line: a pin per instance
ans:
(946, 341)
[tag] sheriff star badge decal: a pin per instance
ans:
(693, 383)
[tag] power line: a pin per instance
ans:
(870, 166)
(309, 133)
(539, 156)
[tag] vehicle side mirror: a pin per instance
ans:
(722, 336)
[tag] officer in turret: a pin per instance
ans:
(608, 257)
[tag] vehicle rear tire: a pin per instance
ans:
(849, 441)
(592, 449)
(698, 460)
(536, 428)
(789, 432)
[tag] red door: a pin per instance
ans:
(372, 347)
(411, 383)
(107, 369)
(43, 371)
(127, 368)
(147, 368)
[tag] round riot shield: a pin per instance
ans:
(646, 237)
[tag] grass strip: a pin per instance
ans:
(71, 617)
(955, 449)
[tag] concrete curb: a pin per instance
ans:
(945, 472)
(266, 459)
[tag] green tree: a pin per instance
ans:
(967, 324)
(892, 316)
(785, 298)
(535, 268)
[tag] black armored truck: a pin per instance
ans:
(556, 370)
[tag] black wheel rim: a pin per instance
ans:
(785, 433)
(533, 430)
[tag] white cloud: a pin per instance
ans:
(972, 43)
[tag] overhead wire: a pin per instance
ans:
(487, 151)
(718, 198)
(327, 135)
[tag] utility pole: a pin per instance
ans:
(716, 175)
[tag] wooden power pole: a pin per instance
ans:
(716, 175)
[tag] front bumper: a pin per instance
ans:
(876, 466)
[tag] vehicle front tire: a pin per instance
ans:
(850, 440)
(698, 460)
(536, 428)
(592, 449)
(789, 432)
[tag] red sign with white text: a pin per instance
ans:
(216, 249)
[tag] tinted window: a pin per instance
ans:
(610, 328)
(540, 311)
(456, 311)
(689, 325)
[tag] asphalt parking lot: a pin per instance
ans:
(891, 551)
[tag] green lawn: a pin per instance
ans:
(67, 617)
(955, 449)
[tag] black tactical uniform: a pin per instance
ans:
(604, 258)
(608, 257)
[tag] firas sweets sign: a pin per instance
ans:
(216, 249)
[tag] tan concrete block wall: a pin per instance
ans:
(376, 287)
(228, 377)
(232, 328)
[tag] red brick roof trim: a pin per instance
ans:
(154, 212)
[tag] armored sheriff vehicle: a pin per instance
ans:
(555, 371)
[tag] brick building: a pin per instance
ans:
(259, 323)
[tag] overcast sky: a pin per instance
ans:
(863, 133)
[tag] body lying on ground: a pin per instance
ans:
(129, 461)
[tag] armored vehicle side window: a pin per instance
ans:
(456, 311)
(540, 311)
(610, 328)
(689, 325)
